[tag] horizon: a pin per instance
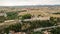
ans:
(36, 5)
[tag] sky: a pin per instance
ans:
(28, 2)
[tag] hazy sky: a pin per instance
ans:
(28, 2)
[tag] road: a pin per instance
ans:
(6, 24)
(39, 29)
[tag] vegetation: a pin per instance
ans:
(15, 27)
(57, 13)
(36, 33)
(55, 30)
(55, 20)
(28, 26)
(11, 15)
(2, 19)
(26, 16)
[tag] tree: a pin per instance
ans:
(6, 30)
(53, 20)
(2, 19)
(12, 15)
(36, 33)
(14, 27)
(55, 30)
(26, 16)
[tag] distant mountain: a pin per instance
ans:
(29, 6)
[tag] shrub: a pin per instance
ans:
(12, 15)
(2, 18)
(26, 16)
(15, 27)
(55, 30)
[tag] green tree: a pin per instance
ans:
(12, 15)
(55, 30)
(15, 27)
(53, 20)
(26, 16)
(2, 19)
(6, 30)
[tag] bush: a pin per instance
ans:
(36, 33)
(57, 13)
(2, 18)
(15, 27)
(55, 30)
(36, 24)
(26, 16)
(12, 15)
